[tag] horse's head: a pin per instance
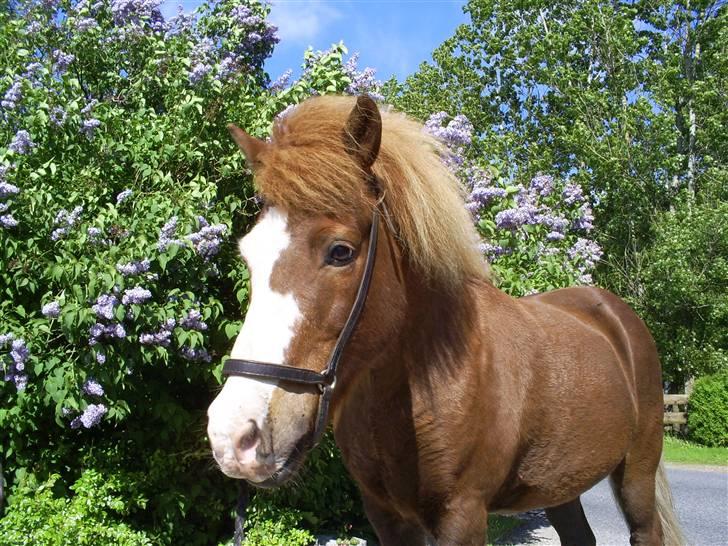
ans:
(306, 263)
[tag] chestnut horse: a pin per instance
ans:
(453, 400)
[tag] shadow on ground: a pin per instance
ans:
(534, 529)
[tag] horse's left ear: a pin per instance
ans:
(250, 146)
(363, 131)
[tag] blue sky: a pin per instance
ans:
(393, 36)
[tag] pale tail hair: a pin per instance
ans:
(672, 534)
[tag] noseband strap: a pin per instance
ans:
(325, 380)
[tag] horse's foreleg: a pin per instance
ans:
(464, 522)
(570, 523)
(391, 529)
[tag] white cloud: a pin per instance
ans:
(301, 21)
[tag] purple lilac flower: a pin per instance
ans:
(161, 337)
(133, 268)
(93, 388)
(484, 195)
(65, 221)
(19, 354)
(193, 321)
(7, 189)
(572, 194)
(361, 81)
(12, 96)
(199, 71)
(555, 223)
(84, 24)
(585, 219)
(94, 235)
(100, 331)
(136, 295)
(8, 221)
(227, 68)
(179, 23)
(206, 241)
(90, 105)
(585, 278)
(554, 236)
(21, 381)
(133, 12)
(105, 305)
(89, 127)
(542, 184)
(513, 218)
(62, 60)
(91, 416)
(589, 252)
(33, 73)
(123, 196)
(244, 16)
(492, 252)
(195, 355)
(100, 357)
(58, 116)
(281, 82)
(166, 235)
(21, 143)
(457, 133)
(51, 310)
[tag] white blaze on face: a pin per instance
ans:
(265, 336)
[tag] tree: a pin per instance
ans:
(626, 99)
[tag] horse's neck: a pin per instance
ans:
(436, 348)
(395, 413)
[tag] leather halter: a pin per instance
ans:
(325, 380)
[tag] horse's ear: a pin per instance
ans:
(363, 131)
(250, 146)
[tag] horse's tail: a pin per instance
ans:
(672, 535)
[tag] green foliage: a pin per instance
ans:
(37, 517)
(708, 411)
(625, 99)
(684, 295)
(324, 496)
(281, 530)
(108, 369)
(158, 497)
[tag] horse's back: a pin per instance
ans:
(593, 311)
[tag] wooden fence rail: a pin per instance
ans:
(676, 414)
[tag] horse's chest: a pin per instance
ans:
(379, 450)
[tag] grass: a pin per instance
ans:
(499, 526)
(682, 451)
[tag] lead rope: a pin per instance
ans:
(240, 509)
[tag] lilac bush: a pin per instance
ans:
(534, 233)
(121, 197)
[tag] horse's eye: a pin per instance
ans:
(339, 255)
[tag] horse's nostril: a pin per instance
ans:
(246, 442)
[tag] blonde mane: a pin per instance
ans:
(307, 168)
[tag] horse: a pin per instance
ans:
(449, 399)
